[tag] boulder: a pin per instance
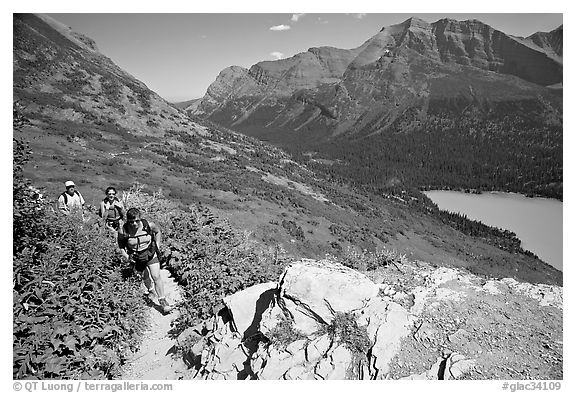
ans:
(319, 289)
(457, 365)
(246, 307)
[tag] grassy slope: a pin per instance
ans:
(95, 124)
(250, 203)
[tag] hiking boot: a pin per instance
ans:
(166, 308)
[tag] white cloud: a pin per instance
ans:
(280, 28)
(359, 16)
(295, 17)
(277, 55)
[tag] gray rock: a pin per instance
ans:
(317, 348)
(244, 305)
(319, 289)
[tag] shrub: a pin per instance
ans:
(283, 334)
(344, 329)
(368, 260)
(74, 315)
(27, 207)
(212, 261)
(293, 229)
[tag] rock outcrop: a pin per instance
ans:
(323, 320)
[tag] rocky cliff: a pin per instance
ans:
(322, 320)
(552, 42)
(428, 105)
(403, 66)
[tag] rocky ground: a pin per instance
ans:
(509, 330)
(420, 322)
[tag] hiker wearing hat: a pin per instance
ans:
(71, 199)
(112, 209)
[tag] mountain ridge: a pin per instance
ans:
(410, 78)
(396, 37)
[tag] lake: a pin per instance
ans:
(537, 222)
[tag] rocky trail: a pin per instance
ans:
(154, 359)
(419, 321)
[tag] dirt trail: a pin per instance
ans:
(154, 359)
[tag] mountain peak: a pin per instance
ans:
(412, 22)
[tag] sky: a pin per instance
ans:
(178, 55)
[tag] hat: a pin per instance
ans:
(69, 183)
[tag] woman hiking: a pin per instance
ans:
(140, 242)
(112, 209)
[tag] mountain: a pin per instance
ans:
(60, 74)
(447, 81)
(90, 121)
(551, 42)
(185, 104)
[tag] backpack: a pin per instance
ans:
(65, 195)
(118, 208)
(147, 254)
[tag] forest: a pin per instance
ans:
(505, 148)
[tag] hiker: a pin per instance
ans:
(140, 241)
(70, 200)
(112, 209)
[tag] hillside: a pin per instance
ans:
(92, 122)
(404, 292)
(411, 85)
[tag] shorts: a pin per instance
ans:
(140, 266)
(113, 224)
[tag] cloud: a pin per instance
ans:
(295, 17)
(277, 55)
(280, 28)
(359, 16)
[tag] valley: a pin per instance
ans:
(198, 161)
(294, 174)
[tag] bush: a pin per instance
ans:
(212, 261)
(74, 315)
(283, 334)
(344, 329)
(367, 260)
(293, 229)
